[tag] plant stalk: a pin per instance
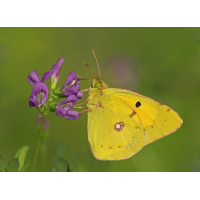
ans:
(38, 144)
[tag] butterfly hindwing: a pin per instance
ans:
(114, 129)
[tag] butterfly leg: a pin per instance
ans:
(97, 105)
(85, 90)
(83, 102)
(86, 110)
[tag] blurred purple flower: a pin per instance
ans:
(39, 95)
(33, 77)
(45, 122)
(125, 71)
(56, 69)
(63, 109)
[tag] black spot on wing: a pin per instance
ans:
(138, 104)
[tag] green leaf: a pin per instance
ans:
(2, 168)
(60, 164)
(13, 165)
(21, 155)
(61, 150)
(24, 168)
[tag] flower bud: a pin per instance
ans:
(56, 69)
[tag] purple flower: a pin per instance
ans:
(79, 94)
(71, 87)
(72, 84)
(63, 109)
(70, 90)
(56, 69)
(33, 77)
(72, 114)
(39, 95)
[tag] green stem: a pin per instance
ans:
(38, 145)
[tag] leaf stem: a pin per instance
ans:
(38, 144)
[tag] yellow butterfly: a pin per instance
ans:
(121, 122)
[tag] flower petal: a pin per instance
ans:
(40, 90)
(33, 78)
(71, 77)
(46, 75)
(60, 111)
(33, 102)
(77, 85)
(56, 68)
(79, 94)
(70, 90)
(71, 98)
(72, 114)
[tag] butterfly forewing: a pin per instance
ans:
(158, 120)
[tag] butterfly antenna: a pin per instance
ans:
(90, 68)
(96, 62)
(83, 78)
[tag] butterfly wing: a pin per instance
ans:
(158, 120)
(112, 133)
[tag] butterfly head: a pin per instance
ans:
(98, 83)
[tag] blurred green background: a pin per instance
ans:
(161, 63)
